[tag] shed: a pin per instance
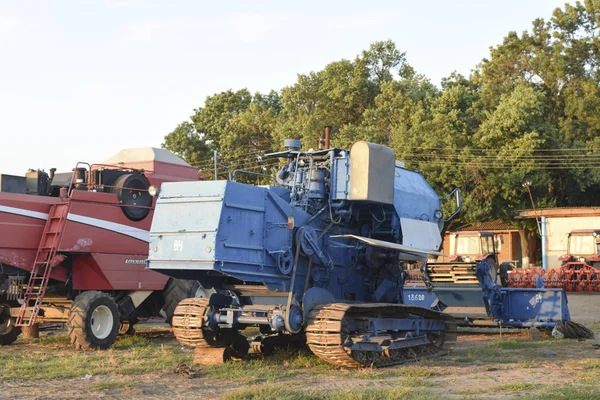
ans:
(557, 223)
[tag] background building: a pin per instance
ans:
(558, 223)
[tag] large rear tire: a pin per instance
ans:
(179, 289)
(8, 331)
(93, 321)
(493, 269)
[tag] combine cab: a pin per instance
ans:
(74, 247)
(318, 257)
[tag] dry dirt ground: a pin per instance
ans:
(142, 366)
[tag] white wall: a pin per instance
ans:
(557, 229)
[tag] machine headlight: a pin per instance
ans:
(153, 190)
(439, 214)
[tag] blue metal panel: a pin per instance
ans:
(534, 305)
(420, 296)
(340, 179)
(414, 197)
(240, 231)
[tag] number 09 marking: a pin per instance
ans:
(177, 245)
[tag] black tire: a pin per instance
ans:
(87, 332)
(493, 273)
(175, 291)
(504, 268)
(8, 331)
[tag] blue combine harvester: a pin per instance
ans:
(317, 257)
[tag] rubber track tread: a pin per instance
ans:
(325, 323)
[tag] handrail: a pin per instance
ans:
(457, 193)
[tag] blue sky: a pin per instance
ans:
(82, 79)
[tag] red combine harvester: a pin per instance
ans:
(73, 247)
(580, 267)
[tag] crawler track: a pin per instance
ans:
(188, 320)
(329, 338)
(327, 334)
(210, 347)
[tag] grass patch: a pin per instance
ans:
(406, 371)
(112, 385)
(520, 344)
(587, 363)
(588, 378)
(138, 354)
(487, 354)
(416, 371)
(130, 342)
(280, 365)
(469, 392)
(594, 326)
(286, 393)
(130, 355)
(516, 387)
(56, 340)
(526, 353)
(553, 392)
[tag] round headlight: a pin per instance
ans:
(439, 214)
(153, 191)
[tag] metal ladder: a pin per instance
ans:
(42, 266)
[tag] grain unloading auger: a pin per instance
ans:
(318, 257)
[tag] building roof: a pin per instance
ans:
(559, 212)
(492, 225)
(584, 231)
(145, 154)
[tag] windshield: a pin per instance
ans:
(487, 244)
(582, 244)
(467, 245)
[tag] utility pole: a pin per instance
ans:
(527, 184)
(541, 227)
(216, 157)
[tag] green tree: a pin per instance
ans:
(188, 144)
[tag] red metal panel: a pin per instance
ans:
(20, 232)
(87, 275)
(83, 238)
(115, 272)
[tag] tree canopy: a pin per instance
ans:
(528, 112)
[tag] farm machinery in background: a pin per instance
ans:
(480, 301)
(469, 290)
(318, 257)
(74, 245)
(580, 267)
(469, 249)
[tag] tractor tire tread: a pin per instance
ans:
(175, 291)
(76, 322)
